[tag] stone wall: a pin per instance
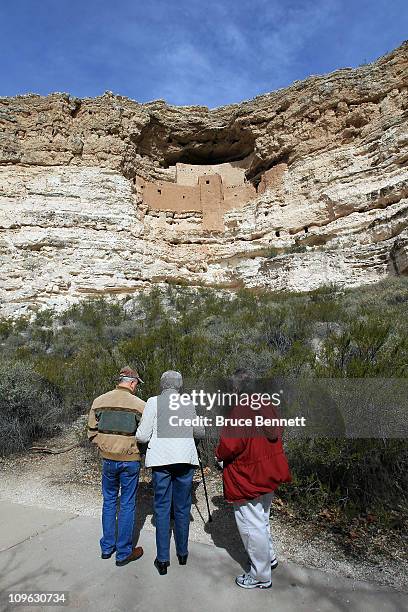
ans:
(212, 202)
(272, 178)
(162, 195)
(237, 197)
(210, 189)
(232, 173)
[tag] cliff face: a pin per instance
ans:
(319, 171)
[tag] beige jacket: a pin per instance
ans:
(111, 427)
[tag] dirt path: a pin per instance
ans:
(71, 482)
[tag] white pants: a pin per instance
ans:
(252, 518)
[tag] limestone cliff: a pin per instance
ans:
(294, 189)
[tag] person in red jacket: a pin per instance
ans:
(254, 465)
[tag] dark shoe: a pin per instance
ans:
(161, 566)
(182, 559)
(134, 556)
(108, 555)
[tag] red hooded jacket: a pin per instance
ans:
(255, 463)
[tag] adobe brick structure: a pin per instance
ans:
(209, 189)
(272, 177)
(232, 173)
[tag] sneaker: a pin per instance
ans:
(247, 582)
(274, 563)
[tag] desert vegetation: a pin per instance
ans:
(53, 364)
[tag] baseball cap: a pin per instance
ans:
(127, 374)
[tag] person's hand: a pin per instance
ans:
(219, 463)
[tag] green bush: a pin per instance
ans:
(6, 328)
(272, 252)
(29, 407)
(70, 358)
(355, 475)
(297, 248)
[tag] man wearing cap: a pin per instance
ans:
(112, 423)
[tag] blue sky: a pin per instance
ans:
(209, 52)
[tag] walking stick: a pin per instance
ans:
(205, 486)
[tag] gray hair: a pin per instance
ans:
(171, 380)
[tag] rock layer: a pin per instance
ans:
(325, 173)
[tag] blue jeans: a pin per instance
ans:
(172, 484)
(123, 475)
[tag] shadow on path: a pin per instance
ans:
(145, 511)
(222, 530)
(224, 533)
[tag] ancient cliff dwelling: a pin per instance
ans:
(211, 190)
(293, 190)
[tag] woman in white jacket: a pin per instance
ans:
(172, 455)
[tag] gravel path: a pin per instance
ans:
(71, 482)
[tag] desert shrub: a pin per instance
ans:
(367, 347)
(29, 407)
(296, 248)
(324, 305)
(6, 328)
(272, 252)
(355, 475)
(280, 328)
(94, 314)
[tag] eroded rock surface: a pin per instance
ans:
(318, 170)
